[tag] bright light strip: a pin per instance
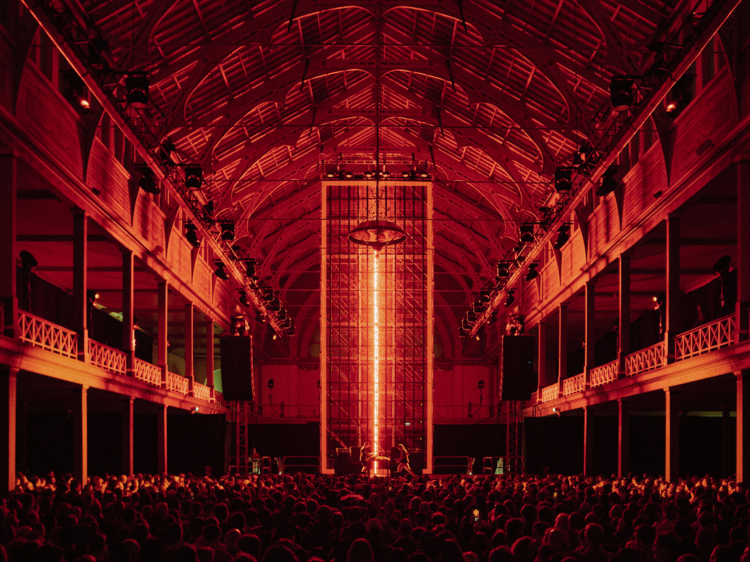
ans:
(375, 362)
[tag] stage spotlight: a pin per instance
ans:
(679, 96)
(563, 180)
(164, 154)
(270, 384)
(349, 175)
(209, 209)
(227, 231)
(274, 305)
(259, 318)
(368, 175)
(471, 316)
(285, 324)
(583, 156)
(480, 384)
(28, 261)
(492, 318)
(220, 271)
(136, 90)
(479, 306)
(191, 233)
(462, 332)
(193, 177)
(385, 174)
(621, 93)
(609, 183)
(290, 331)
(532, 273)
(244, 301)
(424, 175)
(330, 174)
(268, 294)
(563, 235)
(503, 269)
(527, 233)
(510, 299)
(250, 266)
(282, 314)
(147, 182)
(406, 174)
(484, 295)
(465, 324)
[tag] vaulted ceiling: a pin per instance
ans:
(487, 97)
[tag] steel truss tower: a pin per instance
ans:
(376, 322)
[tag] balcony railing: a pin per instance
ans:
(42, 333)
(704, 339)
(202, 392)
(604, 374)
(574, 384)
(148, 373)
(177, 383)
(108, 358)
(549, 392)
(645, 360)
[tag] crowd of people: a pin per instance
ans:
(325, 518)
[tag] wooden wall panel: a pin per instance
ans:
(711, 116)
(148, 223)
(47, 118)
(108, 176)
(641, 183)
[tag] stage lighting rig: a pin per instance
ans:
(147, 182)
(532, 273)
(526, 233)
(136, 89)
(220, 272)
(191, 233)
(227, 231)
(244, 301)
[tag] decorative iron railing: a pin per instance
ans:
(549, 392)
(704, 339)
(108, 358)
(178, 383)
(645, 360)
(574, 384)
(202, 392)
(604, 374)
(42, 333)
(148, 373)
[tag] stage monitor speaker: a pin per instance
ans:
(237, 368)
(342, 464)
(518, 378)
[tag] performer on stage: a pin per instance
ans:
(403, 461)
(364, 458)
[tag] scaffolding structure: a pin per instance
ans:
(376, 322)
(515, 462)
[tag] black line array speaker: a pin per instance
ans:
(518, 377)
(237, 367)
